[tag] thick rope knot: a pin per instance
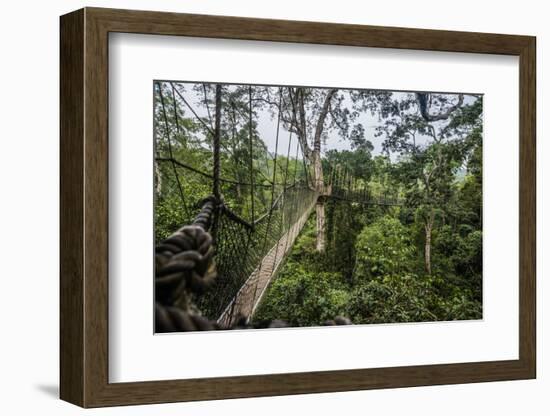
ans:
(172, 319)
(184, 262)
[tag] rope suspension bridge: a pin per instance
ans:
(213, 272)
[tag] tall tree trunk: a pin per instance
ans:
(320, 213)
(320, 206)
(428, 226)
(318, 173)
(313, 155)
(158, 187)
(238, 189)
(216, 142)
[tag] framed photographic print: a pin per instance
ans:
(256, 207)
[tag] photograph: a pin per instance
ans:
(295, 206)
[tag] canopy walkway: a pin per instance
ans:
(249, 295)
(213, 273)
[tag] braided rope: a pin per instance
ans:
(184, 267)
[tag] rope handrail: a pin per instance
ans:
(210, 176)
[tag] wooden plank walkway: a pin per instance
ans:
(250, 294)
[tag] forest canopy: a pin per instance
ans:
(367, 203)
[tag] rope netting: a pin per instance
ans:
(344, 186)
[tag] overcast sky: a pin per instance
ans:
(267, 125)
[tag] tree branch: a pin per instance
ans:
(208, 128)
(300, 130)
(321, 120)
(422, 100)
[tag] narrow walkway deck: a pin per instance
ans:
(250, 294)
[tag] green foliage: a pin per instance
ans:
(394, 298)
(409, 298)
(303, 297)
(168, 217)
(383, 247)
(388, 290)
(344, 222)
(459, 256)
(384, 288)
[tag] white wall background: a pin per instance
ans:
(29, 207)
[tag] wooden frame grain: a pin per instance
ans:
(84, 207)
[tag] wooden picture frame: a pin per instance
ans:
(84, 207)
